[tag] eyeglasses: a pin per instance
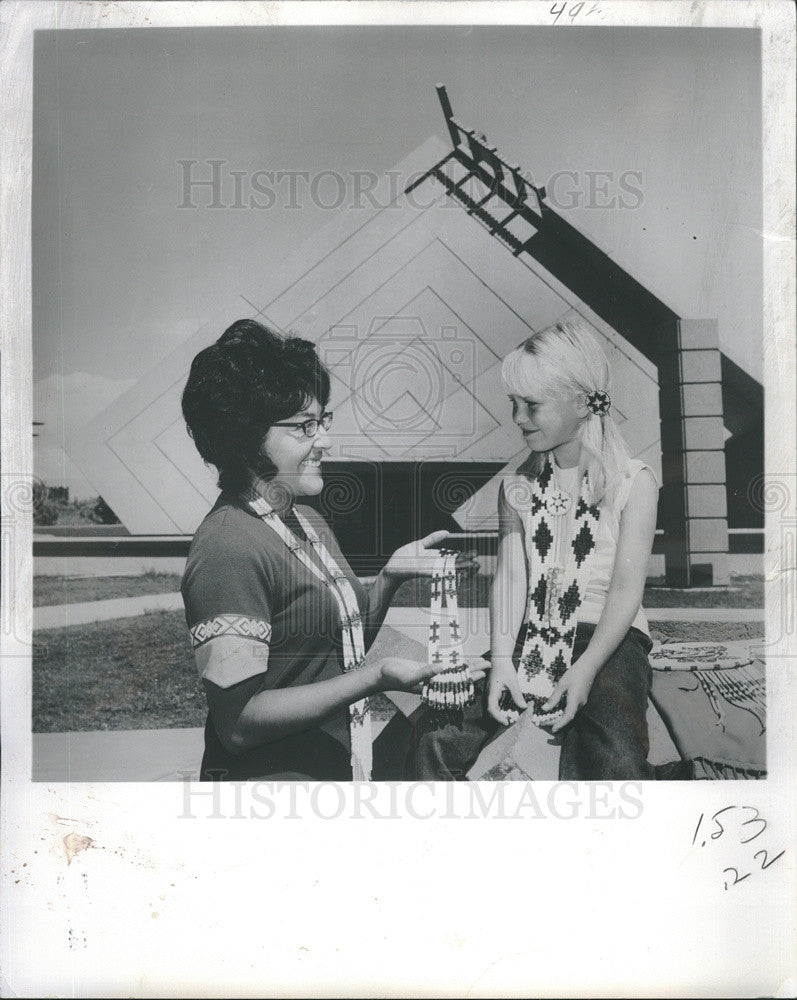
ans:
(309, 427)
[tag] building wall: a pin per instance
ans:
(412, 308)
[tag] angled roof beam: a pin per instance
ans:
(479, 155)
(565, 251)
(448, 112)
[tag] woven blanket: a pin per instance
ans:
(712, 697)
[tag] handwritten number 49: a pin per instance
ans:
(573, 10)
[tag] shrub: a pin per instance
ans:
(44, 510)
(101, 513)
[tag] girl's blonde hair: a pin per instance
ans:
(566, 361)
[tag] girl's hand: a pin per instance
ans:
(503, 677)
(420, 558)
(575, 687)
(478, 669)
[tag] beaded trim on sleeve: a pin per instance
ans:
(240, 625)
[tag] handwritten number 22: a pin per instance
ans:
(764, 865)
(735, 876)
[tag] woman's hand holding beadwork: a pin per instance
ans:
(420, 558)
(399, 674)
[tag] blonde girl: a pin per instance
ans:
(568, 635)
(569, 639)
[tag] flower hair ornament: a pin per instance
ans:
(599, 402)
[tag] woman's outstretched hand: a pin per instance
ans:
(420, 558)
(399, 674)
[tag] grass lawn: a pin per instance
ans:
(130, 673)
(72, 526)
(139, 673)
(744, 592)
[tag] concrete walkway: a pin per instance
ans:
(118, 755)
(175, 754)
(61, 615)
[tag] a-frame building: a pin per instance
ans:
(413, 302)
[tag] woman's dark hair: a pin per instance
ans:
(238, 387)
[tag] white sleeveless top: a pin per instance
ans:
(605, 544)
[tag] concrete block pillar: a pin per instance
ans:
(693, 501)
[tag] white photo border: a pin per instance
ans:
(270, 896)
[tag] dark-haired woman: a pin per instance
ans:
(278, 621)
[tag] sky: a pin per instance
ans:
(122, 274)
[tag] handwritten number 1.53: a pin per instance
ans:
(757, 822)
(723, 823)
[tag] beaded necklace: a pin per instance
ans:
(556, 585)
(350, 618)
(452, 687)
